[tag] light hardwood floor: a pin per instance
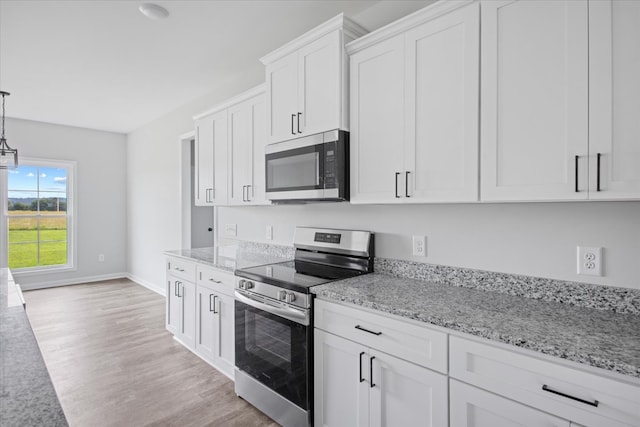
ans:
(113, 363)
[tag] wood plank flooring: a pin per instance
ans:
(113, 363)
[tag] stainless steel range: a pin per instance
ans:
(274, 319)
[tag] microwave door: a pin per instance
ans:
(296, 173)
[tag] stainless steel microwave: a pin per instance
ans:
(312, 168)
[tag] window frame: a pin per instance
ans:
(71, 168)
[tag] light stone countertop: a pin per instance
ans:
(599, 338)
(27, 396)
(231, 258)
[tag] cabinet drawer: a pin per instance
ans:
(181, 268)
(407, 341)
(521, 377)
(216, 280)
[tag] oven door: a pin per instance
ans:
(295, 169)
(274, 350)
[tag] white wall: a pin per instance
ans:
(153, 176)
(536, 239)
(100, 195)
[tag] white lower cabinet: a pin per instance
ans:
(576, 395)
(359, 386)
(181, 309)
(374, 369)
(356, 384)
(214, 328)
(473, 407)
(200, 311)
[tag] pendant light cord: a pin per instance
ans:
(2, 117)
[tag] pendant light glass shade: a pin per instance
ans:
(8, 155)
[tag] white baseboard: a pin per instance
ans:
(147, 284)
(74, 281)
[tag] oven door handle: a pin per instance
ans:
(288, 313)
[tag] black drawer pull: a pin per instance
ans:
(366, 330)
(559, 393)
(360, 367)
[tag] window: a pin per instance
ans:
(39, 215)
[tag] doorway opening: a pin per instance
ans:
(197, 221)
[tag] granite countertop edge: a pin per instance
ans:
(467, 326)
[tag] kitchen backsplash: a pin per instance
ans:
(619, 300)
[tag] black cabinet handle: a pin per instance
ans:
(175, 288)
(299, 114)
(248, 196)
(212, 303)
(367, 330)
(360, 367)
(598, 171)
(372, 385)
(210, 229)
(293, 132)
(179, 283)
(397, 173)
(577, 399)
(406, 183)
(244, 199)
(576, 167)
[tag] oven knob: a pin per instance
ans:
(249, 285)
(291, 297)
(242, 284)
(282, 295)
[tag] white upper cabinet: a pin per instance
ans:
(614, 99)
(230, 142)
(534, 100)
(306, 82)
(377, 102)
(246, 151)
(210, 159)
(414, 108)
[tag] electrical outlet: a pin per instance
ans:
(590, 260)
(231, 230)
(101, 258)
(269, 232)
(419, 246)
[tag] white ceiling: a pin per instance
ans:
(103, 65)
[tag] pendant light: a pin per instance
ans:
(8, 155)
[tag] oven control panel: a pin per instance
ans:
(277, 293)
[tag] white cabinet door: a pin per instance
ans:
(246, 152)
(341, 388)
(240, 152)
(187, 295)
(225, 356)
(442, 96)
(257, 190)
(211, 160)
(207, 325)
(614, 99)
(173, 305)
(404, 394)
(473, 407)
(534, 85)
(319, 84)
(204, 162)
(282, 98)
(377, 122)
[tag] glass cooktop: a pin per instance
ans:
(295, 275)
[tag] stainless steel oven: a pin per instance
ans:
(312, 168)
(274, 320)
